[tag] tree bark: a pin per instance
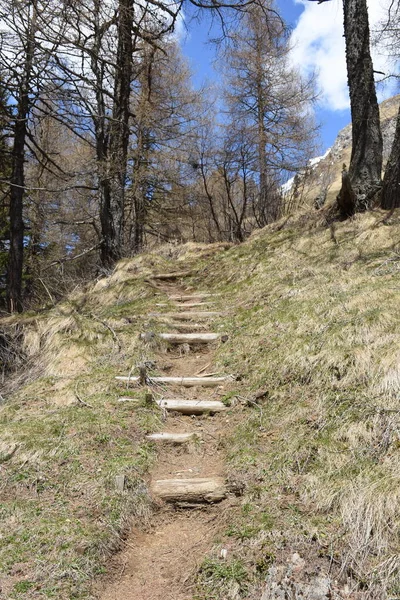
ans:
(365, 169)
(391, 182)
(17, 181)
(112, 210)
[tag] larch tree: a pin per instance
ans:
(166, 109)
(26, 67)
(266, 96)
(101, 63)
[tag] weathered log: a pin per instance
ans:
(192, 407)
(182, 381)
(184, 327)
(189, 297)
(173, 438)
(186, 338)
(201, 490)
(189, 316)
(193, 304)
(176, 275)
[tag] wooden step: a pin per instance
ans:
(184, 327)
(173, 438)
(189, 316)
(171, 276)
(197, 491)
(187, 338)
(189, 297)
(192, 407)
(192, 304)
(182, 381)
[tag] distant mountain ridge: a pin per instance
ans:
(321, 181)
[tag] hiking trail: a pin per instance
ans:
(188, 482)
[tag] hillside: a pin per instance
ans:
(308, 444)
(324, 175)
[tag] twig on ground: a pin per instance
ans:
(110, 329)
(80, 400)
(202, 369)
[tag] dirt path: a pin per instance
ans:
(158, 564)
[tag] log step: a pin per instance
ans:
(188, 316)
(192, 304)
(192, 407)
(184, 327)
(182, 381)
(173, 438)
(187, 338)
(189, 297)
(171, 276)
(197, 491)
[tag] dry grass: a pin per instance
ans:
(314, 323)
(316, 326)
(64, 437)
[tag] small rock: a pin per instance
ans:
(297, 562)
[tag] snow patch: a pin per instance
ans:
(312, 163)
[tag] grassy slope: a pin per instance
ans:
(315, 325)
(60, 512)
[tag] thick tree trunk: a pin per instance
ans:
(112, 210)
(391, 182)
(365, 169)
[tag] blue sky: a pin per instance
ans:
(318, 46)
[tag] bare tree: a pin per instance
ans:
(270, 100)
(26, 65)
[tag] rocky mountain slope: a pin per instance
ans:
(322, 180)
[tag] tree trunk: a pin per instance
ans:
(391, 182)
(16, 252)
(112, 210)
(17, 181)
(365, 169)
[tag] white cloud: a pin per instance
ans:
(319, 46)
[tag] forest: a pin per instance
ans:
(107, 147)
